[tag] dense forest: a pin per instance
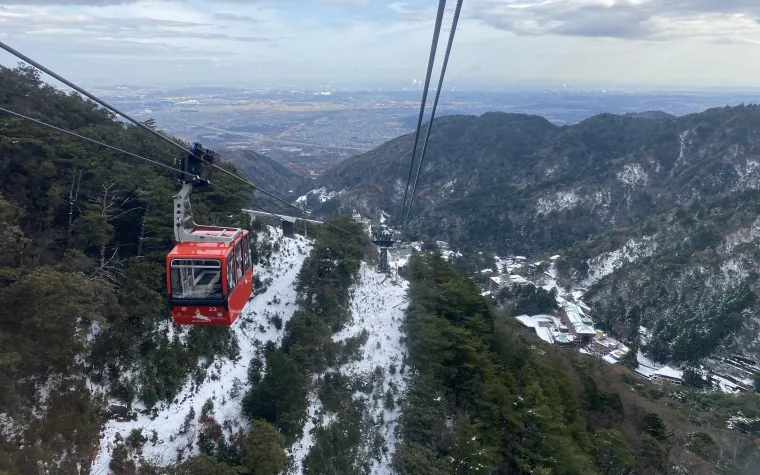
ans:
(85, 234)
(84, 322)
(516, 183)
(486, 397)
(690, 275)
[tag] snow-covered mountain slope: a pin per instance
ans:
(378, 304)
(169, 429)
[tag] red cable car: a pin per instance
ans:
(209, 273)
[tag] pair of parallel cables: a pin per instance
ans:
(158, 134)
(433, 48)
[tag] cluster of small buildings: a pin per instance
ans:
(572, 325)
(506, 274)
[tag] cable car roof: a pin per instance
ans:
(201, 249)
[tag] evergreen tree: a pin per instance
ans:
(264, 452)
(281, 396)
(202, 465)
(612, 454)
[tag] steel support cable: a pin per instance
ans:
(431, 60)
(74, 134)
(103, 103)
(435, 105)
(280, 216)
(163, 165)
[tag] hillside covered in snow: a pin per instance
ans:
(332, 369)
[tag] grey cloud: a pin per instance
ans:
(233, 17)
(92, 3)
(98, 3)
(622, 19)
(129, 29)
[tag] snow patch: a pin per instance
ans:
(225, 381)
(749, 174)
(684, 142)
(565, 199)
(633, 175)
(322, 195)
(606, 263)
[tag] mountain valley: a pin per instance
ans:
(336, 368)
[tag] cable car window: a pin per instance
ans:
(247, 253)
(231, 280)
(246, 261)
(196, 279)
(239, 259)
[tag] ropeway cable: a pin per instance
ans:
(435, 105)
(154, 162)
(431, 60)
(82, 137)
(103, 103)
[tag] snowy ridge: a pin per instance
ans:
(321, 193)
(226, 380)
(606, 263)
(378, 304)
(569, 199)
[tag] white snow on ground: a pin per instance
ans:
(683, 139)
(633, 175)
(279, 298)
(564, 199)
(321, 193)
(378, 305)
(300, 449)
(606, 263)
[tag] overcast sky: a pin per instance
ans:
(646, 42)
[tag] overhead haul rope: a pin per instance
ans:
(431, 60)
(435, 105)
(103, 103)
(74, 134)
(154, 162)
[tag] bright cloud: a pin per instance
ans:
(359, 41)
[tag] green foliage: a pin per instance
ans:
(201, 465)
(612, 453)
(522, 414)
(702, 445)
(264, 452)
(694, 379)
(527, 300)
(280, 398)
(82, 285)
(689, 332)
(654, 426)
(630, 359)
(337, 445)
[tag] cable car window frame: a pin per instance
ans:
(239, 260)
(247, 252)
(231, 280)
(187, 283)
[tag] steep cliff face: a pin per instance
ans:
(690, 275)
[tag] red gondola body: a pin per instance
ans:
(209, 273)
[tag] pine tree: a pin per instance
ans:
(264, 450)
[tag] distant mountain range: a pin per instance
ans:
(519, 184)
(267, 173)
(657, 215)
